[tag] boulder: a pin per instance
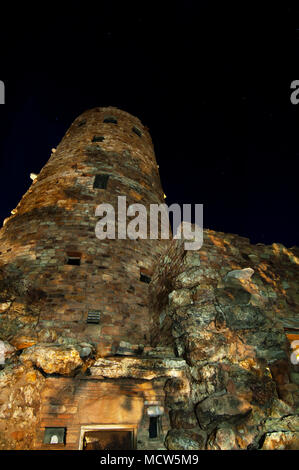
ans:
(223, 439)
(178, 439)
(127, 349)
(286, 423)
(180, 297)
(183, 419)
(53, 359)
(242, 317)
(177, 393)
(239, 274)
(6, 351)
(218, 409)
(281, 441)
(23, 341)
(190, 278)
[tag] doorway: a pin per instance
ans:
(105, 437)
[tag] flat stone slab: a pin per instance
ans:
(141, 368)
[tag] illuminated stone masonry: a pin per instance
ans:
(117, 344)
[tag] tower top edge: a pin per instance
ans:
(111, 110)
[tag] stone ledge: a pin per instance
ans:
(141, 368)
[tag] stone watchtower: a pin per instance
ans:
(79, 286)
(92, 356)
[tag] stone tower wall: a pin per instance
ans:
(56, 219)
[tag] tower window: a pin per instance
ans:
(98, 138)
(110, 120)
(93, 317)
(54, 436)
(137, 131)
(82, 123)
(144, 278)
(74, 259)
(153, 427)
(100, 181)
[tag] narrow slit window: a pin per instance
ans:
(74, 259)
(110, 120)
(98, 138)
(137, 131)
(82, 123)
(93, 317)
(54, 435)
(153, 427)
(100, 181)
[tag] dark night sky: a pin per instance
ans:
(212, 84)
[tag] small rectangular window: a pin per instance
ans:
(137, 131)
(93, 317)
(98, 138)
(54, 436)
(74, 261)
(73, 258)
(100, 181)
(110, 120)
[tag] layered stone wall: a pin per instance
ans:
(224, 309)
(50, 300)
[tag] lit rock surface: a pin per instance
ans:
(53, 359)
(147, 369)
(281, 441)
(218, 409)
(20, 403)
(6, 351)
(226, 310)
(185, 440)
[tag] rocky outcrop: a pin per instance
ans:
(224, 309)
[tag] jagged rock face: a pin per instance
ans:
(223, 308)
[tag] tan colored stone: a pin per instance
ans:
(53, 359)
(281, 441)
